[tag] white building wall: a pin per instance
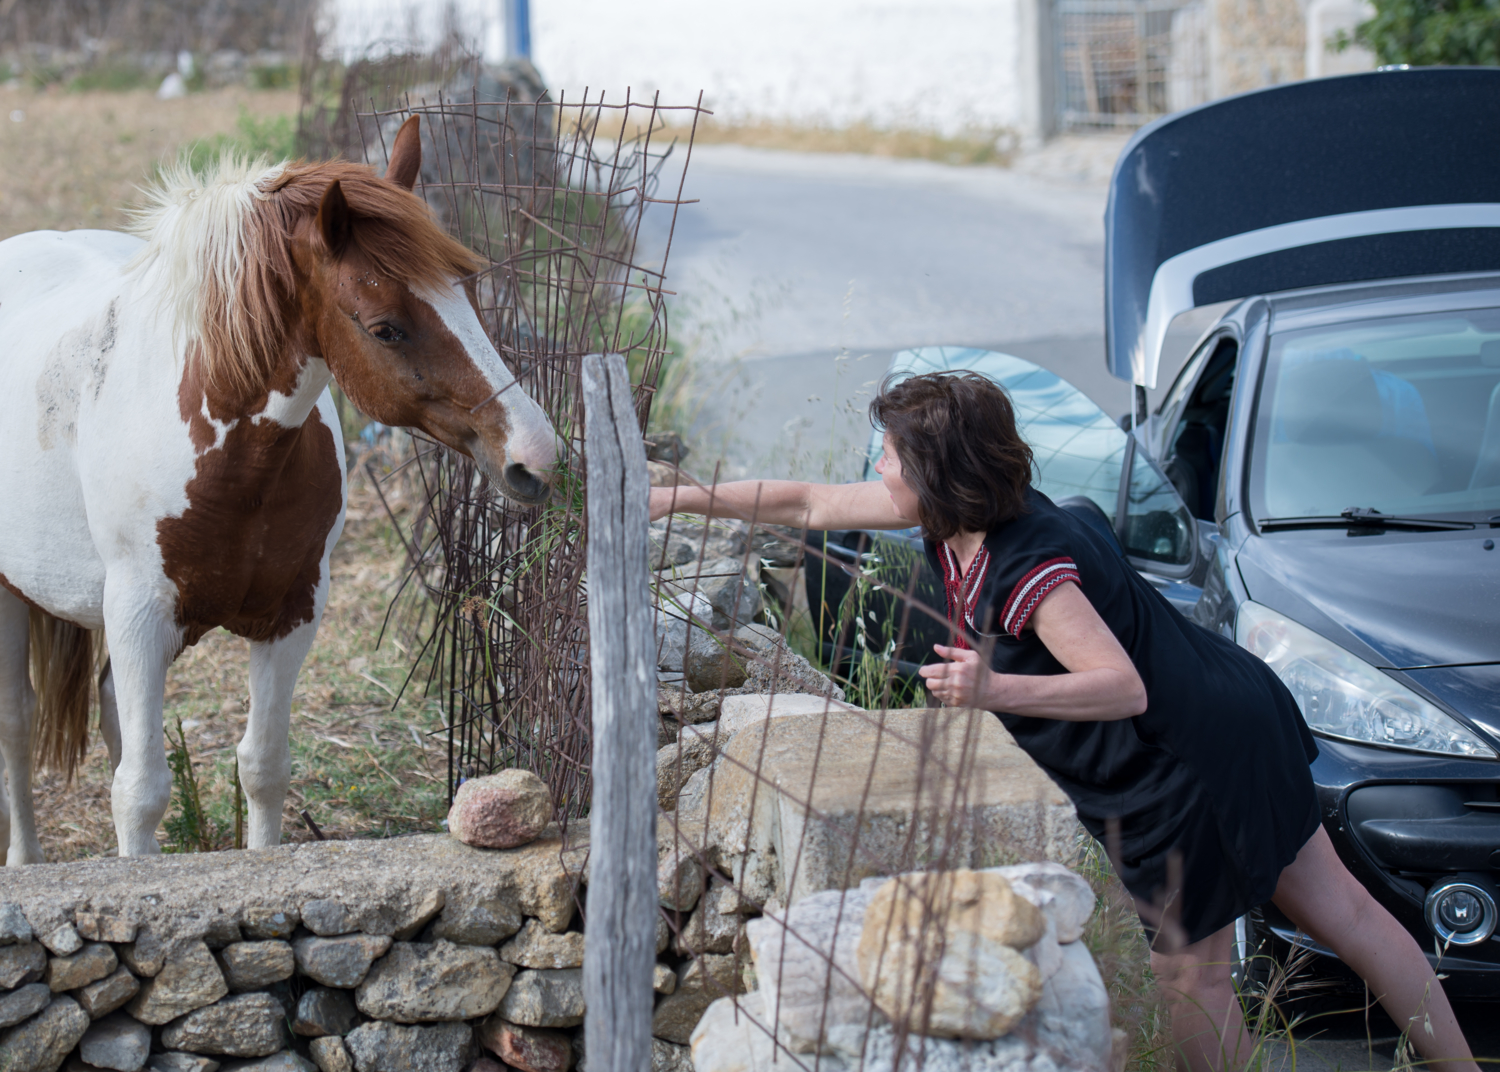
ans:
(942, 65)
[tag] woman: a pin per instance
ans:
(1182, 752)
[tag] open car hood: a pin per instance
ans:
(1336, 180)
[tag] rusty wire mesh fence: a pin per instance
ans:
(848, 878)
(553, 194)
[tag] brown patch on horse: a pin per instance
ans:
(247, 552)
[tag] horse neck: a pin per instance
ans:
(287, 396)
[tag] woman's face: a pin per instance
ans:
(903, 499)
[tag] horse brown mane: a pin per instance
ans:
(225, 241)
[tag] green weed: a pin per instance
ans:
(190, 829)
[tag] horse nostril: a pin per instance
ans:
(524, 482)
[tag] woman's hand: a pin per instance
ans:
(661, 502)
(959, 682)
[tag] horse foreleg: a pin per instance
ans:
(265, 752)
(143, 640)
(18, 840)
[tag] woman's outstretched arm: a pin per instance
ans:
(794, 503)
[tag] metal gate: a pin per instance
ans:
(1123, 63)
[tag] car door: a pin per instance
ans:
(1084, 462)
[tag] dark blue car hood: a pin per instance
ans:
(1333, 180)
(1406, 599)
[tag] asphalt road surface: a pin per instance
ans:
(799, 275)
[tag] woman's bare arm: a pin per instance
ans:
(1101, 684)
(794, 503)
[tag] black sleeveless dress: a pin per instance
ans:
(1203, 799)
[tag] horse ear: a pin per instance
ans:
(406, 154)
(335, 220)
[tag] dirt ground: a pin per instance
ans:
(72, 160)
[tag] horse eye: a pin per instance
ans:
(386, 333)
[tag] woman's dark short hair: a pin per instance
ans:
(955, 433)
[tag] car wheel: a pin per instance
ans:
(1251, 962)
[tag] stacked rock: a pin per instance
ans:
(965, 969)
(430, 955)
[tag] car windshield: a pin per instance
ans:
(1399, 415)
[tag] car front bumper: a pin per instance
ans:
(1403, 823)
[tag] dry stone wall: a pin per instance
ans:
(414, 953)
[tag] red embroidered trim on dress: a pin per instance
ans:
(1032, 589)
(962, 590)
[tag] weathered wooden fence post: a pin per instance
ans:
(620, 948)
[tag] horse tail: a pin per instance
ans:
(62, 673)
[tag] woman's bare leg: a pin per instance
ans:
(1207, 1025)
(1318, 894)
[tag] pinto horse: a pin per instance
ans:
(172, 460)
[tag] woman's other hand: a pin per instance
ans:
(960, 681)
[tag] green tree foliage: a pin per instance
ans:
(1431, 32)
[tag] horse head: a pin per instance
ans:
(387, 299)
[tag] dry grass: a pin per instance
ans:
(357, 767)
(994, 147)
(75, 159)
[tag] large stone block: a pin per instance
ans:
(343, 961)
(751, 709)
(253, 965)
(383, 1047)
(106, 995)
(850, 795)
(940, 953)
(41, 1043)
(386, 887)
(23, 1002)
(21, 963)
(419, 982)
(118, 1041)
(807, 966)
(545, 997)
(189, 979)
(244, 1025)
(94, 961)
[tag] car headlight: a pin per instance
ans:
(1343, 696)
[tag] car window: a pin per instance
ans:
(1195, 444)
(1078, 449)
(1400, 415)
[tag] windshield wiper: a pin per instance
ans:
(1362, 517)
